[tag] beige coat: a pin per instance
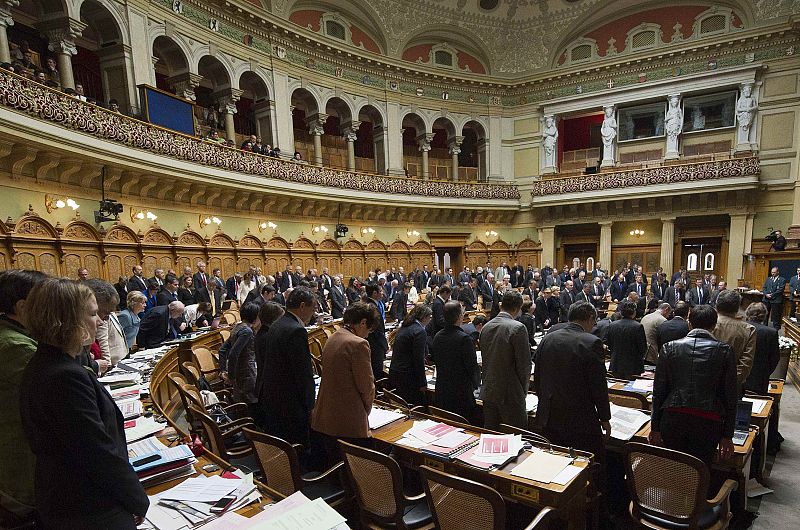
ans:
(651, 322)
(741, 337)
(347, 388)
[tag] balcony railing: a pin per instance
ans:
(45, 103)
(631, 178)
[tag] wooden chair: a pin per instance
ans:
(229, 318)
(204, 360)
(629, 399)
(668, 490)
(461, 504)
(280, 469)
(191, 373)
(190, 397)
(316, 365)
(225, 334)
(446, 415)
(396, 401)
(221, 439)
(315, 346)
(377, 481)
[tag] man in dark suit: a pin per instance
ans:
(659, 288)
(638, 286)
(678, 275)
(773, 297)
(628, 344)
(698, 295)
(619, 288)
(675, 293)
(202, 283)
(158, 276)
(675, 328)
(161, 323)
(399, 308)
(567, 297)
(232, 286)
(168, 292)
(487, 291)
(794, 292)
(378, 345)
(585, 295)
(325, 281)
(572, 354)
(137, 281)
(259, 296)
(767, 350)
(389, 289)
(437, 323)
(422, 278)
(464, 276)
(468, 295)
(285, 379)
(532, 290)
(546, 309)
(287, 279)
(712, 297)
(338, 299)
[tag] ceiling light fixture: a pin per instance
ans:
(264, 225)
(636, 232)
(56, 203)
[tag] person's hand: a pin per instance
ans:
(726, 449)
(103, 366)
(655, 438)
(138, 519)
(606, 426)
(182, 326)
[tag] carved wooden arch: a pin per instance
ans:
(352, 244)
(157, 236)
(399, 245)
(303, 243)
(120, 233)
(476, 246)
(222, 240)
(33, 226)
(278, 243)
(499, 245)
(79, 230)
(376, 244)
(422, 245)
(190, 238)
(328, 244)
(249, 241)
(528, 244)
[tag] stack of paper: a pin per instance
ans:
(542, 466)
(150, 354)
(164, 465)
(758, 404)
(493, 450)
(130, 408)
(640, 385)
(297, 512)
(626, 422)
(380, 417)
(145, 447)
(531, 402)
(428, 431)
(121, 378)
(141, 427)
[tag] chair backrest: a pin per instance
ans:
(626, 398)
(278, 461)
(461, 504)
(668, 484)
(317, 365)
(192, 373)
(229, 318)
(315, 346)
(446, 415)
(213, 436)
(204, 360)
(376, 480)
(225, 334)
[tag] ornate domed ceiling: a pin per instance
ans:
(506, 38)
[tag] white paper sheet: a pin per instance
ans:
(202, 489)
(758, 404)
(380, 417)
(452, 440)
(144, 427)
(531, 402)
(313, 515)
(626, 422)
(541, 466)
(643, 384)
(569, 473)
(146, 446)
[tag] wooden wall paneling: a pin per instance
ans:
(303, 254)
(121, 249)
(250, 251)
(191, 247)
(499, 252)
(158, 252)
(328, 255)
(399, 255)
(222, 254)
(528, 253)
(353, 259)
(377, 256)
(80, 247)
(34, 243)
(476, 254)
(648, 256)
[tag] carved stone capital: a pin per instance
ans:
(454, 144)
(184, 84)
(350, 136)
(61, 34)
(315, 130)
(226, 99)
(315, 123)
(424, 141)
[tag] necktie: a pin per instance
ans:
(639, 289)
(381, 310)
(700, 294)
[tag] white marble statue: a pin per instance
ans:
(746, 109)
(609, 133)
(673, 126)
(549, 142)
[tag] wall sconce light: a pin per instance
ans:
(56, 203)
(263, 225)
(367, 230)
(412, 233)
(206, 220)
(138, 215)
(320, 228)
(491, 233)
(637, 233)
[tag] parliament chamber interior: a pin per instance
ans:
(453, 264)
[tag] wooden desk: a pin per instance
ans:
(776, 393)
(762, 420)
(569, 500)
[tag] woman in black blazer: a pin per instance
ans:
(83, 479)
(457, 370)
(407, 370)
(186, 292)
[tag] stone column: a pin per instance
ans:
(349, 134)
(283, 133)
(5, 22)
(604, 254)
(116, 69)
(379, 141)
(547, 237)
(483, 151)
(736, 248)
(184, 84)
(424, 143)
(668, 245)
(395, 165)
(455, 150)
(226, 100)
(315, 129)
(264, 112)
(61, 34)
